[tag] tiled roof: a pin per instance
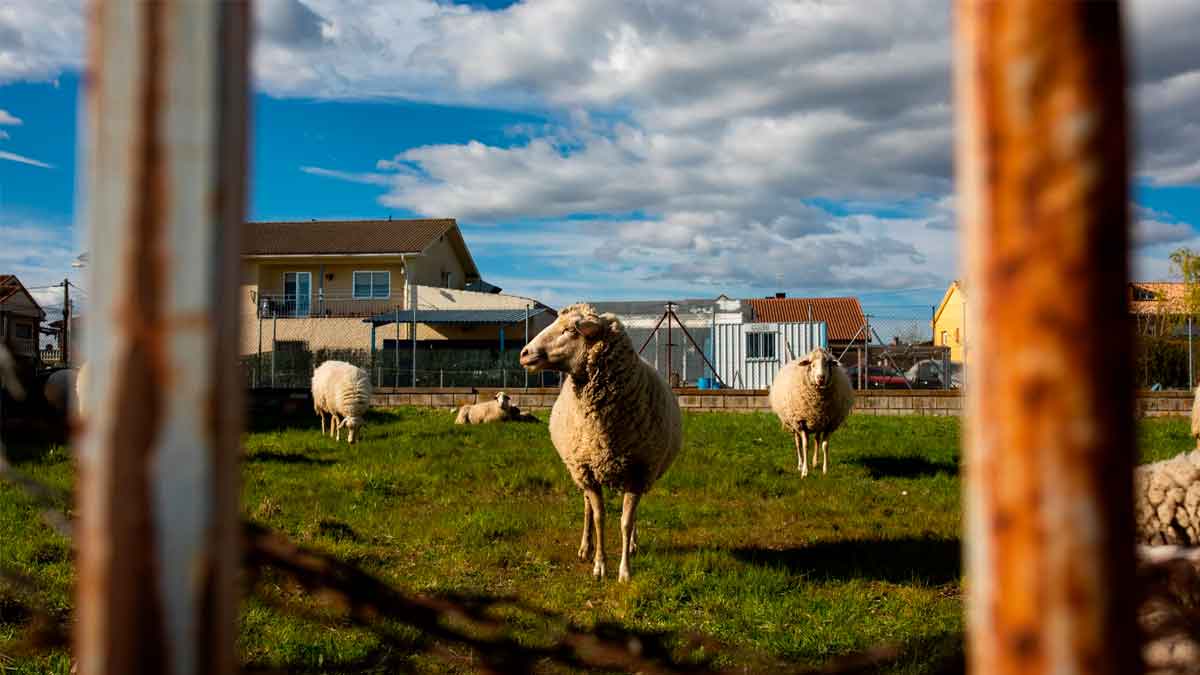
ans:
(496, 317)
(1169, 297)
(843, 316)
(324, 237)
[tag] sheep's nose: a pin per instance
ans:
(525, 352)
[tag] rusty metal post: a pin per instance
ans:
(1043, 188)
(158, 490)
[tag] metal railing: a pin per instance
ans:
(323, 305)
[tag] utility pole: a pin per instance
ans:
(66, 329)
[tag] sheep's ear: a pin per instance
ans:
(589, 326)
(805, 362)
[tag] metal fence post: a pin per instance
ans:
(1043, 189)
(166, 96)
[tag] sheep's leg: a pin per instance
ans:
(596, 498)
(585, 546)
(802, 451)
(628, 522)
(824, 453)
(633, 547)
(816, 437)
(338, 433)
(322, 416)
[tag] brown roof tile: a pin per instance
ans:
(1169, 297)
(842, 316)
(323, 237)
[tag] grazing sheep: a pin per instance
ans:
(615, 423)
(1166, 498)
(60, 390)
(812, 395)
(496, 410)
(343, 391)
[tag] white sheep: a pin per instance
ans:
(498, 409)
(812, 395)
(1166, 500)
(343, 391)
(615, 423)
(60, 390)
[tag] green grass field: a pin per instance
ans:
(735, 545)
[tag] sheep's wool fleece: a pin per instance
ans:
(1167, 500)
(619, 425)
(801, 406)
(341, 388)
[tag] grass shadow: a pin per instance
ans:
(270, 456)
(932, 561)
(904, 467)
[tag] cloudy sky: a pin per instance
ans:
(610, 148)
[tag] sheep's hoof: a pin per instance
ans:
(585, 552)
(633, 548)
(598, 569)
(624, 575)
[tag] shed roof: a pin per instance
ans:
(843, 316)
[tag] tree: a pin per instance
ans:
(1185, 264)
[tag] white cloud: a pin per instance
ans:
(8, 118)
(4, 135)
(13, 157)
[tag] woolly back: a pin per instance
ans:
(343, 386)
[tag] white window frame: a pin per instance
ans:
(762, 345)
(371, 294)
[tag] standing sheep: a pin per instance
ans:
(615, 423)
(341, 390)
(812, 395)
(496, 410)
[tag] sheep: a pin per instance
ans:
(496, 410)
(60, 390)
(1167, 500)
(341, 390)
(812, 395)
(615, 423)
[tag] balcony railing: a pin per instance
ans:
(323, 305)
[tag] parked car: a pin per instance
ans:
(879, 377)
(927, 374)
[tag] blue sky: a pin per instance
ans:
(601, 150)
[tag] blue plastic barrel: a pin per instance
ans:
(703, 383)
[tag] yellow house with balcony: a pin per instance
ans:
(950, 322)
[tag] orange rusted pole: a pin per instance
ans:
(158, 552)
(1043, 185)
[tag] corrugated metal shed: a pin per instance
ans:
(791, 341)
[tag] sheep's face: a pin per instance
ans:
(504, 400)
(820, 365)
(564, 344)
(352, 424)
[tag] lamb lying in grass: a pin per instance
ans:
(812, 395)
(343, 391)
(497, 410)
(615, 422)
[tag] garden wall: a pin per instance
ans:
(889, 402)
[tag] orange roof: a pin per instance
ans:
(843, 316)
(1168, 296)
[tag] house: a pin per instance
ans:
(1159, 308)
(843, 317)
(337, 285)
(20, 319)
(949, 322)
